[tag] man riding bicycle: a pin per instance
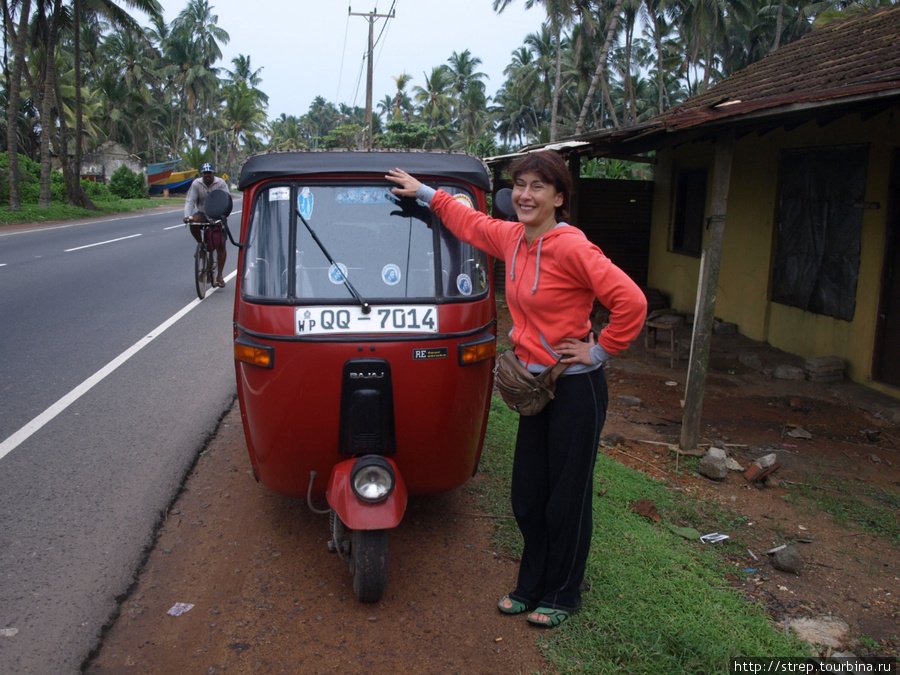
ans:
(194, 213)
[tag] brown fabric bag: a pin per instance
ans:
(521, 390)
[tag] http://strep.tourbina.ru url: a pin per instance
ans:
(835, 664)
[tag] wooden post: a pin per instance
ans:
(371, 16)
(575, 172)
(707, 286)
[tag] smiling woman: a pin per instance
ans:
(555, 274)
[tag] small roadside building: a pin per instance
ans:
(99, 164)
(776, 198)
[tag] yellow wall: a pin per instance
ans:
(748, 245)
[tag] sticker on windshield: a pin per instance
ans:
(390, 274)
(464, 198)
(305, 201)
(337, 273)
(279, 194)
(464, 284)
(363, 195)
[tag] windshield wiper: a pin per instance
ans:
(366, 307)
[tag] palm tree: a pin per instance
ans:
(402, 106)
(14, 85)
(436, 97)
(129, 60)
(192, 48)
(321, 118)
(118, 17)
(244, 118)
(287, 134)
(470, 98)
(560, 13)
(518, 114)
(601, 65)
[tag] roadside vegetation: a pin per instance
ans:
(658, 603)
(125, 192)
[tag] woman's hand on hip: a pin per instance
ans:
(573, 350)
(408, 184)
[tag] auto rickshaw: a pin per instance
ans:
(364, 339)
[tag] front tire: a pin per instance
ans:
(200, 270)
(369, 564)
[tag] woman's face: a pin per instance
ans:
(535, 201)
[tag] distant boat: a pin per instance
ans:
(178, 182)
(160, 171)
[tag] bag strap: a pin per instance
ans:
(552, 372)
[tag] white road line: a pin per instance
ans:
(50, 413)
(172, 227)
(101, 243)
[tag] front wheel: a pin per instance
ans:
(369, 564)
(201, 272)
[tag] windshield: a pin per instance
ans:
(385, 247)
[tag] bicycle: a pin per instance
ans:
(218, 207)
(205, 262)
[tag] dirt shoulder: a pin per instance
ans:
(268, 597)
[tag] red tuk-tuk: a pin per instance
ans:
(364, 338)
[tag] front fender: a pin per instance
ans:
(359, 515)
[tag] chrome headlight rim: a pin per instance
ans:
(374, 465)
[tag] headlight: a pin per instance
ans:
(372, 478)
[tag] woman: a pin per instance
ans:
(554, 275)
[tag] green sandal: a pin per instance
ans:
(516, 607)
(554, 617)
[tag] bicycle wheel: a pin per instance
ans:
(200, 270)
(212, 265)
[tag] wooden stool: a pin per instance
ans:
(666, 322)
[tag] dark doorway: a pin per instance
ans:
(886, 363)
(615, 215)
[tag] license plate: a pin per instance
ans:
(348, 319)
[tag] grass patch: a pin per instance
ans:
(874, 510)
(658, 603)
(30, 213)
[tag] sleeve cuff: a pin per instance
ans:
(599, 355)
(425, 193)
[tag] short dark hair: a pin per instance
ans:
(551, 168)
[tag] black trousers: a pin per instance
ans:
(552, 490)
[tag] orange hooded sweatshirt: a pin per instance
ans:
(551, 284)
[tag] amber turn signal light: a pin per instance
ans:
(254, 353)
(481, 349)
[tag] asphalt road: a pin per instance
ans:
(113, 376)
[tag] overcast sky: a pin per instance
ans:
(309, 48)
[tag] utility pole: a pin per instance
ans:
(371, 16)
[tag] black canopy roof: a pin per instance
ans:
(454, 165)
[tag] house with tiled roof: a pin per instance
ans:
(776, 198)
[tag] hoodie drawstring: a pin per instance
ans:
(512, 269)
(537, 266)
(537, 263)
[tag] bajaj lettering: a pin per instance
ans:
(366, 376)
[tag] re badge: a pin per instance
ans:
(429, 353)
